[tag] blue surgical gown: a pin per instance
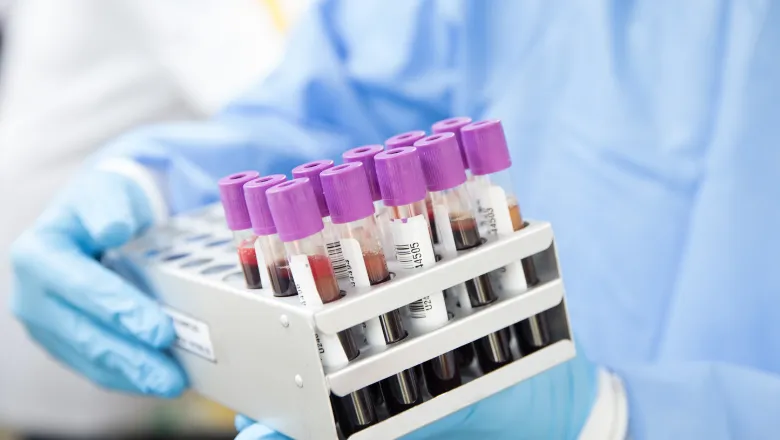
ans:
(647, 132)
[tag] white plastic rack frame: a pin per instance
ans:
(257, 354)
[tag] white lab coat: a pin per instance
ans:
(75, 74)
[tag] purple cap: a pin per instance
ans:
(312, 170)
(346, 190)
(453, 125)
(441, 162)
(486, 147)
(404, 139)
(400, 175)
(294, 208)
(257, 203)
(365, 155)
(231, 190)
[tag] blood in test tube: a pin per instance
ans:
(248, 260)
(231, 191)
(295, 212)
(312, 171)
(269, 253)
(365, 155)
(488, 155)
(352, 211)
(455, 218)
(534, 332)
(324, 278)
(403, 188)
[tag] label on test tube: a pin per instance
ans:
(358, 277)
(354, 263)
(441, 217)
(333, 248)
(493, 211)
(262, 267)
(495, 220)
(331, 351)
(413, 250)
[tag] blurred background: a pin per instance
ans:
(74, 74)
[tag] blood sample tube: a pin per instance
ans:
(271, 257)
(231, 191)
(407, 140)
(299, 224)
(404, 139)
(402, 183)
(499, 215)
(365, 155)
(455, 218)
(312, 170)
(347, 191)
(453, 125)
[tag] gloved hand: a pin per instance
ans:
(80, 312)
(552, 405)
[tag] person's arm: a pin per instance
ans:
(347, 79)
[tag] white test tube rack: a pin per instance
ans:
(256, 354)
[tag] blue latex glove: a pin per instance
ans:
(552, 405)
(80, 312)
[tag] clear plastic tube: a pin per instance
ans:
(244, 241)
(367, 266)
(413, 248)
(316, 284)
(455, 218)
(499, 215)
(271, 256)
(382, 216)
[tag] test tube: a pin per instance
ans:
(299, 224)
(455, 219)
(407, 140)
(231, 191)
(346, 189)
(271, 257)
(488, 154)
(454, 125)
(312, 170)
(365, 155)
(402, 183)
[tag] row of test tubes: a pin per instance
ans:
(416, 199)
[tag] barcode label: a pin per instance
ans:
(420, 308)
(414, 250)
(336, 256)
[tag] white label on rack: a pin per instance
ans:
(413, 250)
(191, 334)
(493, 211)
(354, 262)
(262, 267)
(331, 351)
(441, 217)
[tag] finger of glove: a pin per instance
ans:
(51, 262)
(257, 431)
(106, 358)
(242, 422)
(113, 210)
